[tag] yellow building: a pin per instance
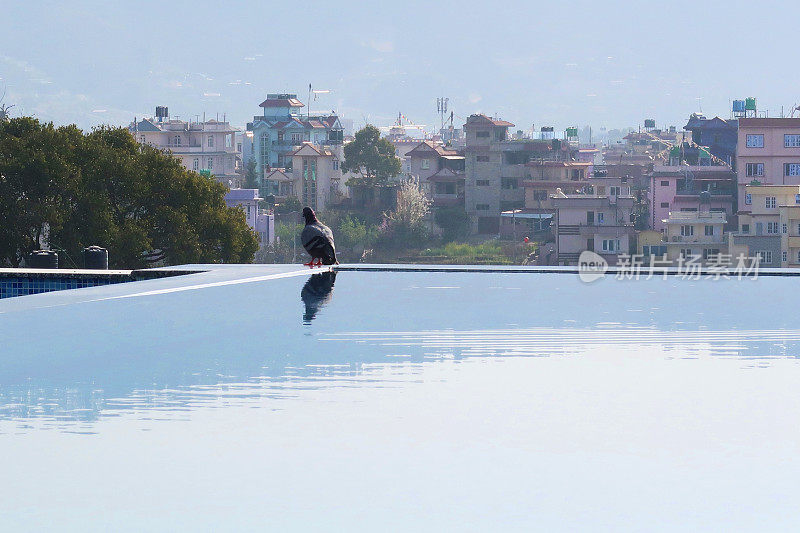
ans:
(768, 225)
(695, 234)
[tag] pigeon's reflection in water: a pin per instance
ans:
(316, 294)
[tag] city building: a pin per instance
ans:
(207, 147)
(768, 153)
(764, 227)
(317, 178)
(719, 135)
(678, 188)
(695, 235)
(283, 128)
(247, 200)
(601, 223)
(496, 166)
(265, 227)
(440, 171)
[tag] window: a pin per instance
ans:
(791, 169)
(482, 207)
(798, 256)
(425, 164)
(755, 169)
(445, 188)
(611, 245)
(709, 231)
(228, 140)
(791, 141)
(745, 228)
(614, 191)
(710, 254)
(665, 183)
(335, 164)
(482, 183)
(482, 158)
(770, 202)
(482, 134)
(210, 163)
(195, 164)
(772, 227)
(687, 231)
(784, 256)
(755, 140)
(211, 141)
(509, 183)
(765, 256)
(797, 198)
(748, 198)
(784, 228)
(686, 253)
(297, 137)
(600, 218)
(539, 195)
(177, 141)
(141, 139)
(665, 204)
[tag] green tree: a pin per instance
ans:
(290, 205)
(370, 156)
(250, 176)
(454, 221)
(104, 188)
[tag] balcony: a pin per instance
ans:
(606, 229)
(287, 143)
(698, 239)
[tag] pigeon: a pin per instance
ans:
(317, 239)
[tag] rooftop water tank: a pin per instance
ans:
(750, 103)
(738, 106)
(43, 259)
(95, 258)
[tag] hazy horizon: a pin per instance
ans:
(603, 65)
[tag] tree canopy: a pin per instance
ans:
(75, 189)
(371, 156)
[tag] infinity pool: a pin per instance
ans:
(260, 398)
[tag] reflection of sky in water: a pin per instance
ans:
(225, 346)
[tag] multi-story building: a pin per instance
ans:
(313, 176)
(678, 188)
(719, 135)
(496, 166)
(207, 147)
(440, 171)
(697, 235)
(282, 129)
(247, 200)
(764, 225)
(790, 233)
(601, 223)
(768, 153)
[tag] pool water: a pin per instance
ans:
(402, 401)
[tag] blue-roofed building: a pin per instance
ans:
(283, 128)
(718, 134)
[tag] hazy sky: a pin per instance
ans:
(606, 64)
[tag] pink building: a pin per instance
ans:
(768, 152)
(601, 223)
(678, 188)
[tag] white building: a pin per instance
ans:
(208, 147)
